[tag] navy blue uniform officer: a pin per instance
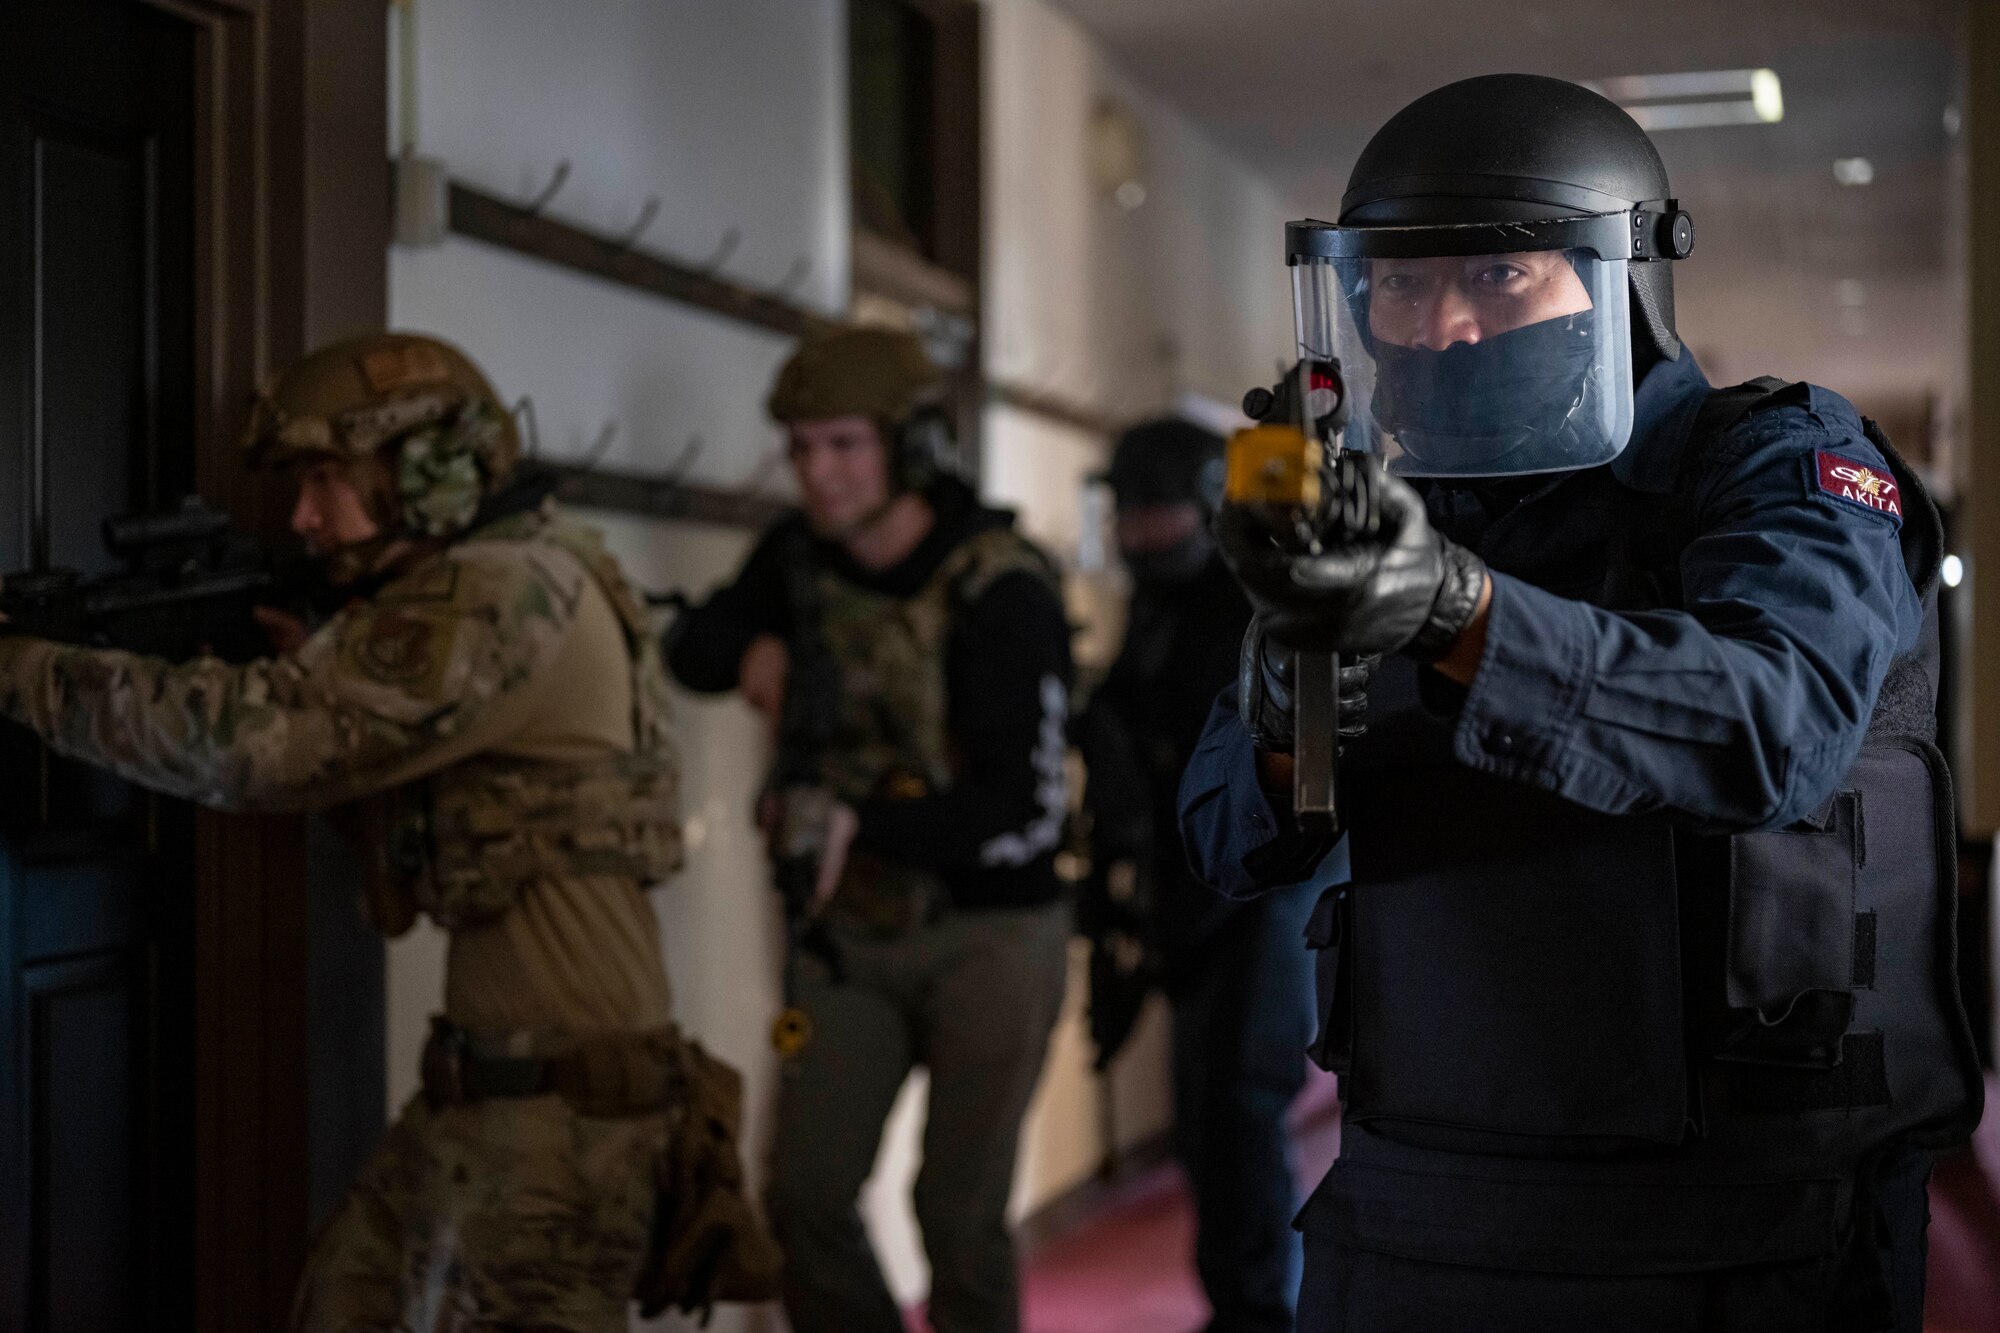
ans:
(1641, 1024)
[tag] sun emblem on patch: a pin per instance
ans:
(1859, 485)
(398, 648)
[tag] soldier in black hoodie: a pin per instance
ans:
(912, 653)
(1238, 983)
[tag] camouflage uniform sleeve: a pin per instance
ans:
(434, 669)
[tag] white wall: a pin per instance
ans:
(1114, 309)
(732, 112)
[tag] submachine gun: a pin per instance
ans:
(187, 587)
(1290, 470)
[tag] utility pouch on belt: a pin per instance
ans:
(708, 1243)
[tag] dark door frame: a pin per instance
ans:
(291, 249)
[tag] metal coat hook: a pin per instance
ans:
(678, 470)
(794, 275)
(647, 213)
(730, 240)
(524, 412)
(753, 484)
(605, 435)
(541, 201)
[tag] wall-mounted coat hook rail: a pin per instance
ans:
(647, 212)
(656, 497)
(534, 207)
(483, 217)
(1054, 407)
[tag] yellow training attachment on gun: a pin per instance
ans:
(1273, 465)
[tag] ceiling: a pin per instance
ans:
(1794, 273)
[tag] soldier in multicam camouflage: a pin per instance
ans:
(491, 714)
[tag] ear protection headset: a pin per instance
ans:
(921, 448)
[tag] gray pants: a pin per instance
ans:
(973, 999)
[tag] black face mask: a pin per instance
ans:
(1468, 409)
(1178, 563)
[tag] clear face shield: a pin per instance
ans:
(1484, 350)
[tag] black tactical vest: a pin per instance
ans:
(1666, 1050)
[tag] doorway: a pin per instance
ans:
(96, 419)
(173, 225)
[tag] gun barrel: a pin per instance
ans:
(120, 601)
(193, 522)
(35, 587)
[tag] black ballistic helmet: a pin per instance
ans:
(1167, 461)
(1520, 148)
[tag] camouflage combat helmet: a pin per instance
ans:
(878, 373)
(351, 398)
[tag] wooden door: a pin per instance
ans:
(97, 391)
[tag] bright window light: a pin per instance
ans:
(1952, 571)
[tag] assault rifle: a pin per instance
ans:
(805, 730)
(797, 785)
(187, 587)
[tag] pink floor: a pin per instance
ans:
(1965, 1233)
(1126, 1270)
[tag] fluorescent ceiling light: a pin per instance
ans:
(1698, 99)
(1697, 115)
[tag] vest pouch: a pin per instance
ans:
(1796, 946)
(1905, 1068)
(1909, 885)
(492, 826)
(1514, 967)
(1326, 931)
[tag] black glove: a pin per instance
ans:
(1264, 692)
(796, 820)
(44, 604)
(1397, 586)
(1120, 981)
